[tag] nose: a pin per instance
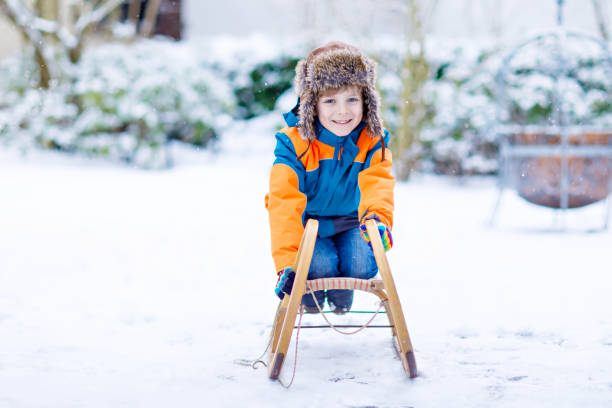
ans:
(342, 107)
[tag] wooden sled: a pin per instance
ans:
(284, 322)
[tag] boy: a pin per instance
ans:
(331, 165)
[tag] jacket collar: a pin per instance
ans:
(291, 117)
(329, 138)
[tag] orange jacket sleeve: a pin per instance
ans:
(285, 203)
(376, 184)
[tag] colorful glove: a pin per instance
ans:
(285, 282)
(383, 230)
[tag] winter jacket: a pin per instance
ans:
(336, 180)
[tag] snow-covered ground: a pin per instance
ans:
(125, 288)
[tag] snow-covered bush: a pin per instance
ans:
(461, 97)
(124, 102)
(459, 103)
(127, 102)
(267, 81)
(546, 84)
(461, 89)
(259, 70)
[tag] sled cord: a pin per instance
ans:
(365, 325)
(297, 337)
(258, 360)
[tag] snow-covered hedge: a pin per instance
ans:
(462, 89)
(581, 83)
(128, 101)
(123, 102)
(459, 93)
(258, 69)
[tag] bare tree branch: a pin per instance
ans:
(22, 18)
(413, 74)
(601, 18)
(61, 33)
(134, 11)
(148, 23)
(34, 29)
(87, 20)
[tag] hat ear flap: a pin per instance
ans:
(372, 103)
(371, 70)
(307, 112)
(301, 71)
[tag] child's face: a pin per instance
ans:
(340, 110)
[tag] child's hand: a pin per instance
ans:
(383, 230)
(285, 282)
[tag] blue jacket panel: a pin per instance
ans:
(330, 182)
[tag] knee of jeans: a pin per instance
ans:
(360, 266)
(323, 266)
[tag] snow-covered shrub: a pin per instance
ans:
(461, 98)
(259, 70)
(267, 81)
(461, 89)
(127, 102)
(124, 102)
(549, 85)
(459, 104)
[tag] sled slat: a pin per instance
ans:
(394, 308)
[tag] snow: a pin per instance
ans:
(126, 288)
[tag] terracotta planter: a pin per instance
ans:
(537, 178)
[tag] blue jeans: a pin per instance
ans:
(345, 255)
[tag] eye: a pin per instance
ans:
(328, 101)
(353, 99)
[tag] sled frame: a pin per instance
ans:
(288, 309)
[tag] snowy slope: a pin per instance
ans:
(124, 288)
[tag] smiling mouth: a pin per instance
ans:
(342, 122)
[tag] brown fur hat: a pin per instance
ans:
(335, 65)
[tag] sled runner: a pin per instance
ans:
(284, 322)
